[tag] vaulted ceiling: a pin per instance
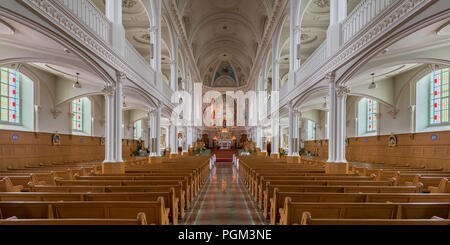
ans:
(225, 36)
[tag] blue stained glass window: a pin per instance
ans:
(372, 110)
(9, 96)
(77, 114)
(439, 96)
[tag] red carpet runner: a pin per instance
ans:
(224, 155)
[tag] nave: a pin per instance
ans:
(224, 200)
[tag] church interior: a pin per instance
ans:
(212, 112)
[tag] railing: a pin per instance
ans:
(317, 59)
(137, 62)
(91, 16)
(363, 13)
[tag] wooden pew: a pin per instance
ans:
(276, 173)
(334, 189)
(308, 220)
(280, 197)
(184, 186)
(189, 182)
(292, 212)
(265, 193)
(179, 193)
(259, 188)
(155, 211)
(6, 185)
(140, 220)
(169, 198)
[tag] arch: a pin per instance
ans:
(85, 58)
(382, 45)
(302, 98)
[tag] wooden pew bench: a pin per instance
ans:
(179, 193)
(266, 192)
(291, 212)
(259, 188)
(185, 179)
(307, 219)
(184, 186)
(170, 198)
(333, 189)
(140, 220)
(278, 199)
(155, 211)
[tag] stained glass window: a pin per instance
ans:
(439, 96)
(10, 96)
(77, 115)
(372, 110)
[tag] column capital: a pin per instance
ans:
(153, 29)
(121, 76)
(342, 91)
(330, 76)
(109, 89)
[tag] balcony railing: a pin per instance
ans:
(137, 62)
(317, 59)
(364, 12)
(92, 17)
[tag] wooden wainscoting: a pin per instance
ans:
(431, 149)
(18, 148)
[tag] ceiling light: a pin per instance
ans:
(124, 104)
(325, 105)
(77, 84)
(373, 85)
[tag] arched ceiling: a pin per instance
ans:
(225, 32)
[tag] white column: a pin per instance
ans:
(174, 66)
(158, 130)
(291, 140)
(113, 117)
(334, 12)
(118, 103)
(275, 124)
(113, 11)
(155, 34)
(259, 137)
(341, 122)
(295, 35)
(297, 120)
(342, 10)
(173, 140)
(332, 123)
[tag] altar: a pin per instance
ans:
(224, 144)
(224, 139)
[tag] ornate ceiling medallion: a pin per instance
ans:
(128, 3)
(322, 3)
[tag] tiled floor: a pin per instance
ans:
(224, 201)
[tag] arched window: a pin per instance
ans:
(81, 116)
(439, 87)
(10, 87)
(137, 129)
(77, 115)
(311, 130)
(372, 110)
(367, 117)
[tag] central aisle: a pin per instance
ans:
(224, 201)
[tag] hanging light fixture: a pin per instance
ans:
(77, 84)
(373, 85)
(123, 102)
(325, 105)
